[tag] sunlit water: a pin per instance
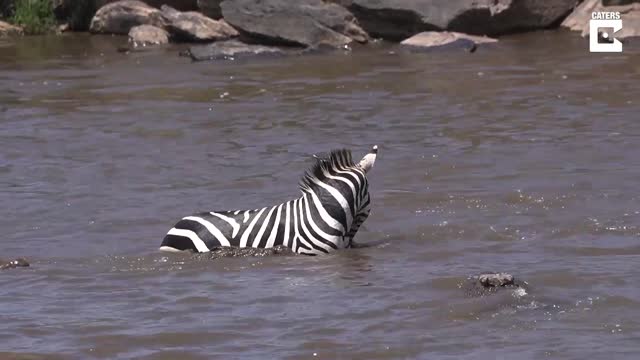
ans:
(522, 157)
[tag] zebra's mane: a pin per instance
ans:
(340, 159)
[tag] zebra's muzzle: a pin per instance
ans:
(368, 160)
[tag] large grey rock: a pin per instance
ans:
(7, 29)
(630, 14)
(400, 19)
(119, 17)
(78, 13)
(310, 23)
(436, 39)
(145, 35)
(229, 50)
(211, 8)
(193, 26)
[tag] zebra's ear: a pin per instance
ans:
(368, 160)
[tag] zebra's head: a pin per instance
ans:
(368, 160)
(338, 189)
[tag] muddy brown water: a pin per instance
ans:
(522, 158)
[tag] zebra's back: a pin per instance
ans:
(202, 232)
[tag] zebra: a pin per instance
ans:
(334, 203)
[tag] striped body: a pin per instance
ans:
(334, 203)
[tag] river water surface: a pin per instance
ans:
(522, 157)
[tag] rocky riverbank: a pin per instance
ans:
(229, 27)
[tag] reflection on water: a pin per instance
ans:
(519, 158)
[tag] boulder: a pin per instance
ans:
(193, 26)
(19, 262)
(495, 279)
(400, 19)
(578, 20)
(211, 8)
(182, 5)
(119, 17)
(145, 35)
(7, 29)
(309, 23)
(230, 50)
(78, 13)
(434, 39)
(490, 283)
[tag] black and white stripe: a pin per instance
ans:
(334, 203)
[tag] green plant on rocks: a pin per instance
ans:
(35, 16)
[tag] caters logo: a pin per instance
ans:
(602, 29)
